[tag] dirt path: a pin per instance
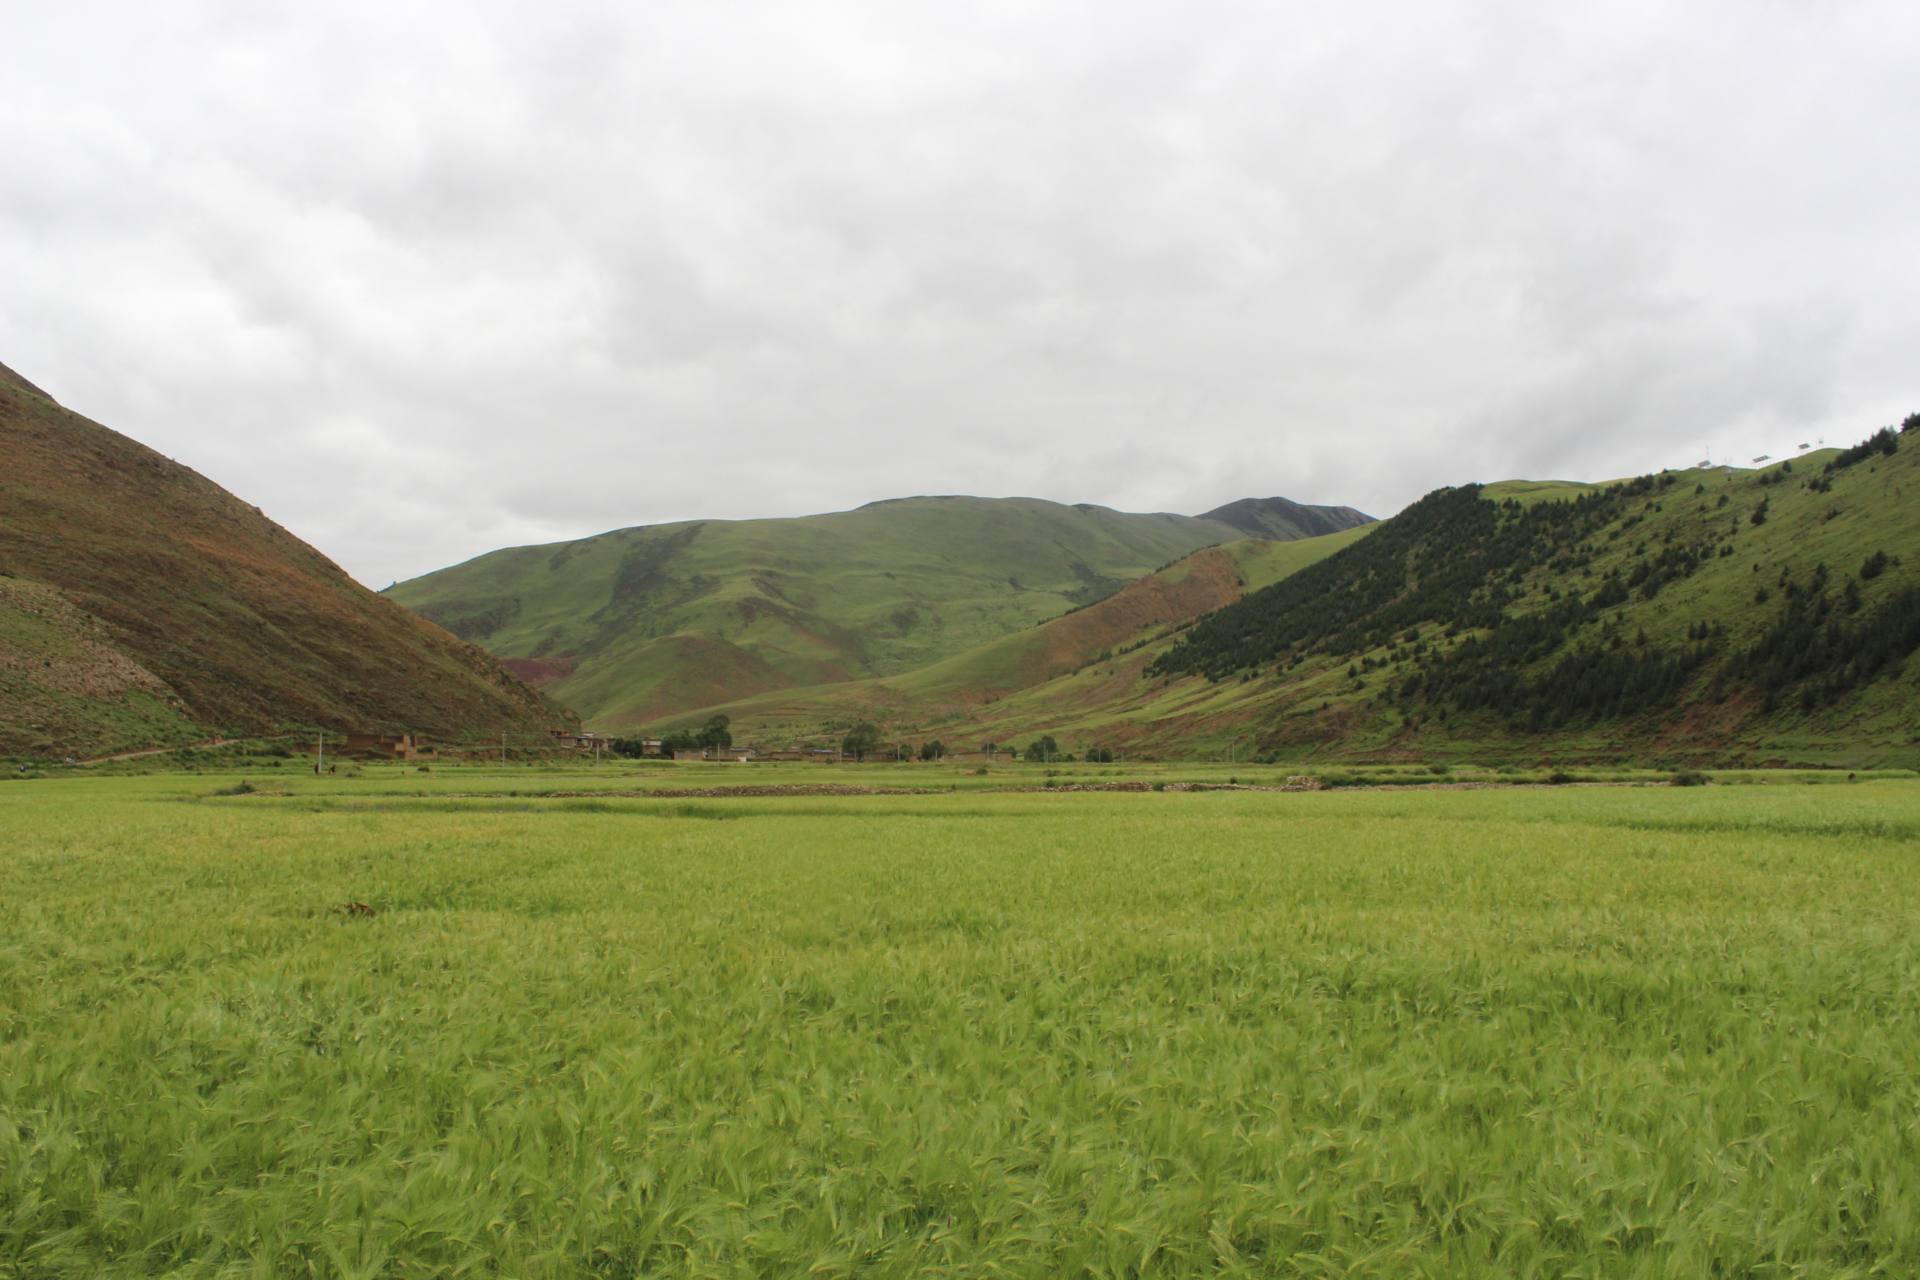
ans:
(712, 793)
(848, 789)
(157, 751)
(795, 789)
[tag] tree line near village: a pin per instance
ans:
(862, 742)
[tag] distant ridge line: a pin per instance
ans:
(1285, 518)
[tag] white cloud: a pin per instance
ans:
(426, 279)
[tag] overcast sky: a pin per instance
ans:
(425, 279)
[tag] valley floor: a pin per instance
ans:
(538, 1022)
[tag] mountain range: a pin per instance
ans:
(1716, 614)
(638, 624)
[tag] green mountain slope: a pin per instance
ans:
(639, 624)
(141, 604)
(1713, 615)
(969, 687)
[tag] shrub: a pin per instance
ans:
(861, 741)
(1689, 778)
(237, 789)
(1882, 441)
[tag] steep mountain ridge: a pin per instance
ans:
(144, 605)
(9, 378)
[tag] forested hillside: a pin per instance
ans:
(1753, 601)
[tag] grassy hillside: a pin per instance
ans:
(968, 687)
(1654, 618)
(634, 625)
(141, 604)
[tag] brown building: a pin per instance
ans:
(388, 746)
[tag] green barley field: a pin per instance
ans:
(585, 1031)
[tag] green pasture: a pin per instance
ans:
(1604, 1030)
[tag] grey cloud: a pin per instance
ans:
(423, 280)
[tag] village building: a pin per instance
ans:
(387, 746)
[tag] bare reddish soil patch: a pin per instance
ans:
(1211, 583)
(541, 672)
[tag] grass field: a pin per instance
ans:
(1594, 1031)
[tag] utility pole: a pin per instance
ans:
(320, 753)
(503, 748)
